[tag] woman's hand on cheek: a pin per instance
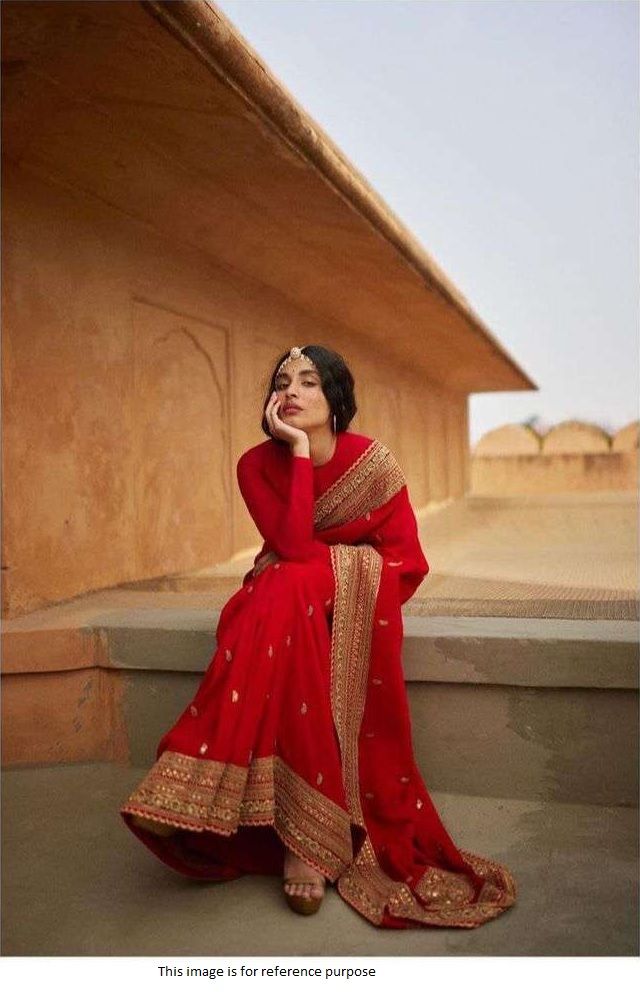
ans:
(280, 429)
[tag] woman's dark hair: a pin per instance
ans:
(336, 381)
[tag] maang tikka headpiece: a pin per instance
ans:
(294, 354)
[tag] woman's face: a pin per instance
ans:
(298, 385)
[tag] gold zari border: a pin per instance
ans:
(371, 481)
(445, 897)
(357, 571)
(202, 795)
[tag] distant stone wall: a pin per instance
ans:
(571, 456)
(509, 440)
(576, 437)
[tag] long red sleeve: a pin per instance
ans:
(285, 525)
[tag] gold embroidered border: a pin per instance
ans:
(197, 794)
(447, 895)
(371, 481)
(366, 886)
(440, 885)
(357, 572)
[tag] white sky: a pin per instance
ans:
(505, 136)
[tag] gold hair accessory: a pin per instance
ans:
(294, 354)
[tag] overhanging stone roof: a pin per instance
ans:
(175, 119)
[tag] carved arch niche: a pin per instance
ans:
(180, 441)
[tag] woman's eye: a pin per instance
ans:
(306, 383)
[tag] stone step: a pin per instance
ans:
(514, 708)
(550, 652)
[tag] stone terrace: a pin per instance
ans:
(520, 655)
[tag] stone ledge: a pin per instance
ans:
(481, 650)
(533, 652)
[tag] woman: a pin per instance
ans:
(295, 753)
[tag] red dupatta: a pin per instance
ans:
(407, 871)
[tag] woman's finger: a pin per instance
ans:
(269, 408)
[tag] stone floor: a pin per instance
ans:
(565, 556)
(76, 882)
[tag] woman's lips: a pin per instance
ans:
(291, 410)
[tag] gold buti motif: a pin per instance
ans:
(204, 748)
(234, 696)
(303, 708)
(319, 778)
(288, 641)
(193, 710)
(203, 795)
(228, 655)
(310, 610)
(270, 651)
(383, 622)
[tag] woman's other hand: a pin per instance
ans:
(297, 438)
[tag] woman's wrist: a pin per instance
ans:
(300, 449)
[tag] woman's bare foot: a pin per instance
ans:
(308, 882)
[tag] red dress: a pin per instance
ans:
(300, 733)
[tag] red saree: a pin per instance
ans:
(299, 733)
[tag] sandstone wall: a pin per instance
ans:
(134, 370)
